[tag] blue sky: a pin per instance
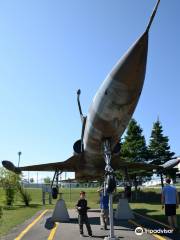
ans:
(49, 49)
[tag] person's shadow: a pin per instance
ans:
(49, 224)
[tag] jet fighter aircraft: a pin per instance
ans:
(111, 110)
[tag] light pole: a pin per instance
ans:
(19, 154)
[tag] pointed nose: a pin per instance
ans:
(129, 72)
(121, 89)
(116, 100)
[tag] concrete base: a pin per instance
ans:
(60, 213)
(123, 211)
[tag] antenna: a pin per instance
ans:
(152, 16)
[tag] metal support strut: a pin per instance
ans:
(109, 186)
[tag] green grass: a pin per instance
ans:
(22, 213)
(149, 203)
(18, 213)
(153, 210)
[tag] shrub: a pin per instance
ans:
(10, 195)
(25, 196)
(9, 182)
(1, 213)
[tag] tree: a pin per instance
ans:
(47, 180)
(134, 146)
(159, 149)
(9, 181)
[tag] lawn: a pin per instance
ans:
(153, 210)
(149, 203)
(22, 213)
(18, 213)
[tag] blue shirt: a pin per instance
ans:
(169, 193)
(104, 201)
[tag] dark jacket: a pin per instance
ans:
(83, 204)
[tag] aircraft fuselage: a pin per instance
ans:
(116, 99)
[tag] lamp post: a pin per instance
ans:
(37, 177)
(19, 154)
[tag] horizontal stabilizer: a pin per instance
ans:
(133, 165)
(139, 166)
(145, 166)
(171, 163)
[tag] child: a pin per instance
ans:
(82, 214)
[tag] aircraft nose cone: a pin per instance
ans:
(118, 95)
(131, 68)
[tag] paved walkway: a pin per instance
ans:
(36, 229)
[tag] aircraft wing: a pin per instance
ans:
(148, 166)
(139, 166)
(68, 165)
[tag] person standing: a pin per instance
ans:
(104, 206)
(82, 208)
(127, 191)
(170, 200)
